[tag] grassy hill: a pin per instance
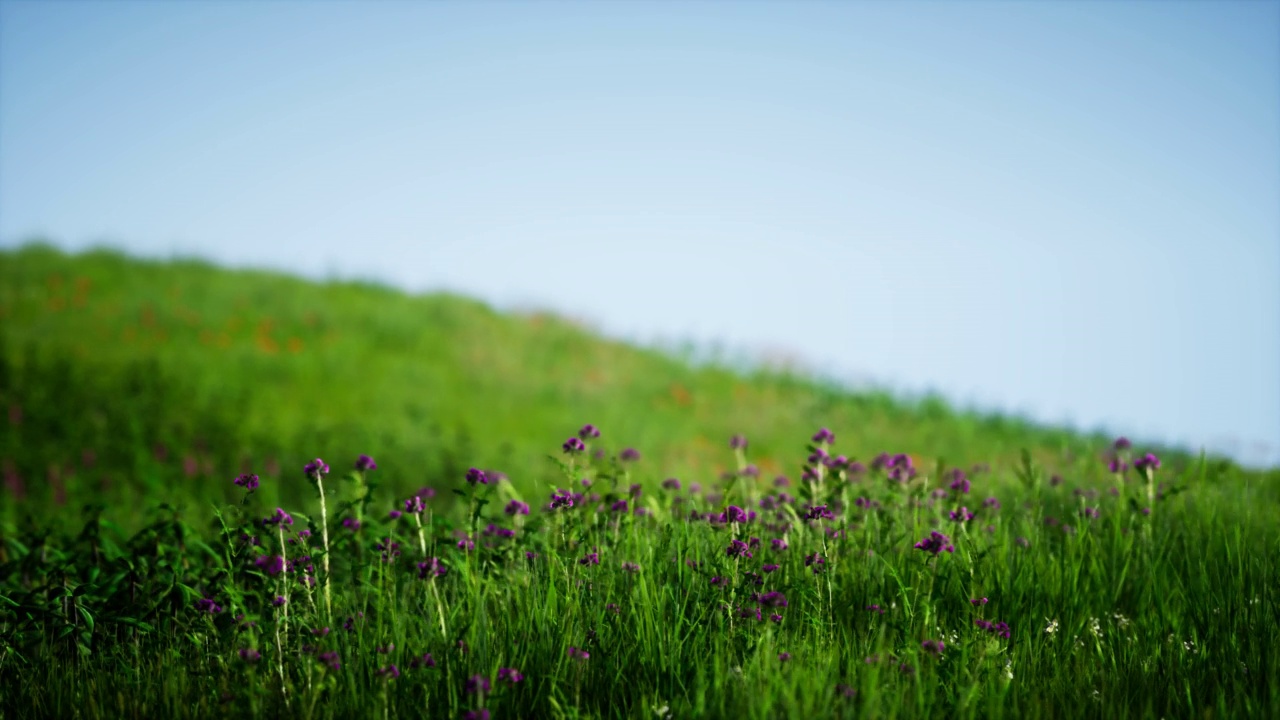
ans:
(124, 376)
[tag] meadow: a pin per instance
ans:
(237, 493)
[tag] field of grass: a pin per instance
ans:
(163, 553)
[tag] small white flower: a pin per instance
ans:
(1121, 620)
(1095, 627)
(1052, 627)
(1008, 669)
(663, 712)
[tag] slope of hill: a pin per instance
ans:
(121, 375)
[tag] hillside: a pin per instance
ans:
(123, 375)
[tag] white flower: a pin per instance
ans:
(1052, 627)
(662, 712)
(1121, 620)
(1095, 627)
(1008, 669)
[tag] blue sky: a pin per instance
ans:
(1065, 210)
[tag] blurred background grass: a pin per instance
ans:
(150, 381)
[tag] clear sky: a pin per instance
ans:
(1065, 210)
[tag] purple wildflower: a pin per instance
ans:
(208, 605)
(962, 515)
(629, 455)
(364, 463)
(431, 568)
(1122, 443)
(248, 481)
(671, 484)
(735, 514)
(773, 599)
(1091, 513)
(778, 544)
(351, 524)
(875, 609)
(1117, 465)
(630, 567)
(959, 482)
(815, 560)
(819, 512)
(425, 661)
(573, 446)
(591, 558)
(561, 498)
(577, 654)
(978, 601)
(478, 684)
(477, 714)
(776, 618)
(476, 475)
(390, 672)
(991, 503)
(509, 675)
(331, 659)
(935, 543)
(824, 436)
(250, 655)
(784, 656)
(738, 442)
(279, 601)
(1147, 462)
(515, 507)
(589, 432)
(718, 581)
(739, 549)
(280, 517)
(270, 564)
(769, 567)
(414, 505)
(394, 515)
(315, 469)
(619, 506)
(933, 646)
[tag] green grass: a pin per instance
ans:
(104, 554)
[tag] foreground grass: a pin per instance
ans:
(1147, 593)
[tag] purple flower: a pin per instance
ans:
(1148, 461)
(619, 506)
(824, 436)
(414, 505)
(509, 675)
(935, 543)
(425, 661)
(364, 463)
(315, 469)
(630, 567)
(477, 714)
(208, 605)
(351, 524)
(320, 632)
(933, 646)
(280, 517)
(776, 618)
(875, 609)
(959, 482)
(477, 684)
(781, 481)
(390, 672)
(394, 515)
(250, 655)
(629, 455)
(515, 507)
(577, 654)
(778, 544)
(591, 558)
(718, 581)
(589, 432)
(573, 446)
(751, 471)
(1117, 465)
(819, 512)
(279, 601)
(476, 475)
(772, 599)
(248, 481)
(815, 560)
(1023, 542)
(738, 442)
(784, 656)
(1091, 512)
(561, 498)
(1122, 443)
(736, 514)
(962, 515)
(389, 548)
(331, 659)
(671, 484)
(431, 568)
(991, 503)
(978, 601)
(270, 564)
(769, 567)
(738, 549)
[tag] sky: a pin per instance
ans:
(1068, 211)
